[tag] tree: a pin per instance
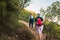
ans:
(42, 13)
(53, 10)
(9, 11)
(24, 3)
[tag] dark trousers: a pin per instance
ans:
(31, 25)
(31, 21)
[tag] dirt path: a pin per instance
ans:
(27, 24)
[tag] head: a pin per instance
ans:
(30, 13)
(38, 14)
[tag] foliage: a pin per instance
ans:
(16, 33)
(53, 10)
(10, 29)
(24, 15)
(52, 30)
(24, 3)
(9, 11)
(42, 12)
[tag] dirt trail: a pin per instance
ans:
(27, 24)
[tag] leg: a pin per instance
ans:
(40, 36)
(32, 25)
(41, 29)
(29, 24)
(40, 32)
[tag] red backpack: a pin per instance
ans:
(39, 22)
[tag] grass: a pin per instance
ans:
(19, 32)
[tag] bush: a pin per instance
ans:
(52, 31)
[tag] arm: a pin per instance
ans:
(41, 19)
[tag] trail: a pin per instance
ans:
(32, 31)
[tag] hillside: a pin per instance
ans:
(51, 29)
(10, 28)
(11, 11)
(24, 15)
(19, 32)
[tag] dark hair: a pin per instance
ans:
(38, 14)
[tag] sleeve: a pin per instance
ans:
(41, 18)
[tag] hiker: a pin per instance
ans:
(31, 21)
(39, 26)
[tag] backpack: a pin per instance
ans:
(39, 22)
